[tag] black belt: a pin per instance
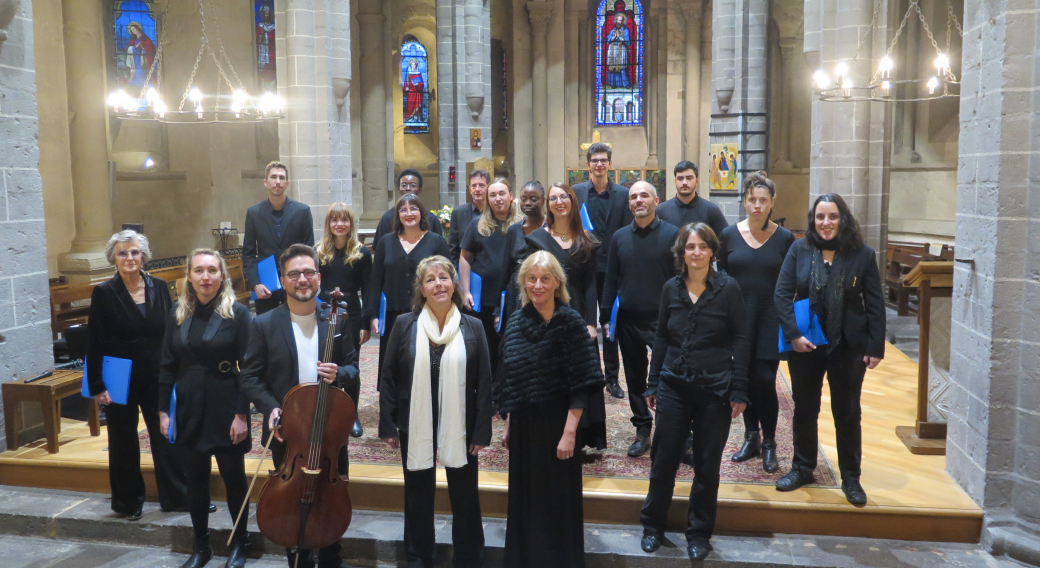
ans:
(221, 368)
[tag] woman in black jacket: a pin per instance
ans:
(698, 377)
(838, 274)
(397, 256)
(435, 400)
(127, 321)
(532, 204)
(207, 335)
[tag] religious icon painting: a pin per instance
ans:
(575, 177)
(475, 139)
(619, 63)
(135, 44)
(265, 46)
(724, 166)
(657, 179)
(629, 177)
(415, 83)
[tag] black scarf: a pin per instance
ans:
(542, 359)
(827, 289)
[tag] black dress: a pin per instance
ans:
(513, 255)
(352, 280)
(486, 260)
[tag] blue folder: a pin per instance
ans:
(476, 286)
(808, 324)
(116, 374)
(268, 272)
(501, 312)
(171, 432)
(613, 317)
(586, 221)
(382, 314)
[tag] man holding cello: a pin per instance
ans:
(287, 348)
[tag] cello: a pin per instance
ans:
(305, 504)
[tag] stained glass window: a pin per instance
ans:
(415, 81)
(265, 64)
(134, 26)
(619, 63)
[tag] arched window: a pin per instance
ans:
(136, 40)
(619, 62)
(263, 13)
(415, 86)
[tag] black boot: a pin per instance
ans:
(357, 431)
(750, 448)
(236, 557)
(769, 462)
(202, 555)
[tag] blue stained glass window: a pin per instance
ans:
(619, 63)
(415, 86)
(135, 35)
(265, 62)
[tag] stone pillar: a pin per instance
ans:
(520, 87)
(692, 15)
(88, 137)
(373, 109)
(783, 154)
(992, 442)
(580, 75)
(540, 14)
(906, 113)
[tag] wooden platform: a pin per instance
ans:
(910, 496)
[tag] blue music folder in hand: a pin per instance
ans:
(382, 314)
(116, 374)
(613, 317)
(476, 286)
(171, 431)
(501, 312)
(268, 272)
(586, 221)
(808, 324)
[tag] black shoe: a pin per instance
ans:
(237, 555)
(650, 543)
(136, 514)
(639, 447)
(854, 492)
(615, 390)
(698, 551)
(794, 479)
(750, 449)
(184, 509)
(357, 431)
(202, 555)
(769, 461)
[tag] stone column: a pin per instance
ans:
(581, 72)
(992, 443)
(88, 137)
(906, 113)
(521, 120)
(540, 14)
(373, 109)
(692, 15)
(783, 157)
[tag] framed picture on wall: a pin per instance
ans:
(629, 177)
(575, 177)
(658, 179)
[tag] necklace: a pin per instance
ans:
(563, 236)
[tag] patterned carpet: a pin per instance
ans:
(611, 463)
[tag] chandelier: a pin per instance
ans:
(228, 103)
(882, 86)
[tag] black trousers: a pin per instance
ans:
(680, 406)
(611, 364)
(124, 453)
(486, 315)
(277, 298)
(844, 368)
(467, 528)
(384, 340)
(198, 466)
(355, 330)
(765, 406)
(635, 334)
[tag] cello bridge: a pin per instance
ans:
(311, 471)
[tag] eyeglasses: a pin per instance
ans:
(409, 185)
(295, 274)
(136, 253)
(599, 161)
(558, 198)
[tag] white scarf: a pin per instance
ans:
(451, 427)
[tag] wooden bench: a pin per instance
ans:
(63, 314)
(901, 259)
(48, 392)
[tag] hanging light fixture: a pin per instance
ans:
(196, 107)
(880, 87)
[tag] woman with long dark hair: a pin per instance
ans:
(838, 274)
(752, 252)
(345, 263)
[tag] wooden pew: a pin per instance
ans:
(63, 314)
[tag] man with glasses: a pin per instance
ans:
(687, 207)
(285, 351)
(464, 214)
(271, 226)
(410, 181)
(607, 206)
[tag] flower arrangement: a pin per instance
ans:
(444, 216)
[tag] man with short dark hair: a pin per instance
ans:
(607, 206)
(285, 351)
(271, 226)
(640, 263)
(688, 207)
(464, 214)
(409, 181)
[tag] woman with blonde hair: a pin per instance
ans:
(549, 372)
(345, 263)
(207, 334)
(435, 400)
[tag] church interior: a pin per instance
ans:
(161, 115)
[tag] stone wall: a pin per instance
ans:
(25, 346)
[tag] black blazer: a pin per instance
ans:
(386, 225)
(461, 217)
(271, 369)
(207, 379)
(260, 241)
(117, 329)
(864, 302)
(395, 389)
(618, 215)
